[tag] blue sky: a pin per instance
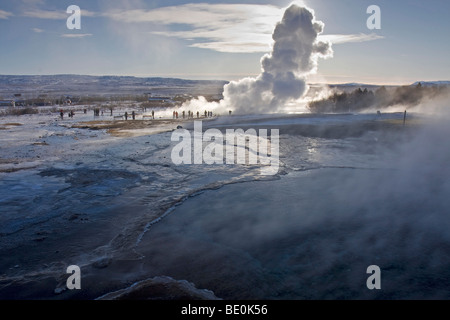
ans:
(221, 39)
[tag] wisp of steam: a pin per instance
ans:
(284, 71)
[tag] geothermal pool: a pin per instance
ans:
(352, 191)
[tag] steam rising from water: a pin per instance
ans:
(284, 71)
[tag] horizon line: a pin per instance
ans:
(173, 76)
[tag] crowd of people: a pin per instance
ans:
(184, 115)
(191, 115)
(70, 114)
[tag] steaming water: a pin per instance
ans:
(302, 237)
(344, 205)
(352, 191)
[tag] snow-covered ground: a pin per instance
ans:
(352, 191)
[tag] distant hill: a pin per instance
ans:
(432, 83)
(372, 86)
(354, 84)
(68, 84)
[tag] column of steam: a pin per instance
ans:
(284, 71)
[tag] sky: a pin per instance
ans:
(221, 40)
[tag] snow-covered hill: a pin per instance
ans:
(103, 85)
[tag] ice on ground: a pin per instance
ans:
(117, 206)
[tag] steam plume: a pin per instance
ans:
(284, 71)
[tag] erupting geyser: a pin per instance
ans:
(284, 71)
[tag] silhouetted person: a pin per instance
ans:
(126, 115)
(133, 114)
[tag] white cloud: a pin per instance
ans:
(236, 28)
(87, 13)
(37, 30)
(45, 14)
(5, 14)
(233, 47)
(55, 15)
(225, 40)
(219, 27)
(345, 38)
(201, 14)
(76, 35)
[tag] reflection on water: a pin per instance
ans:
(352, 191)
(304, 236)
